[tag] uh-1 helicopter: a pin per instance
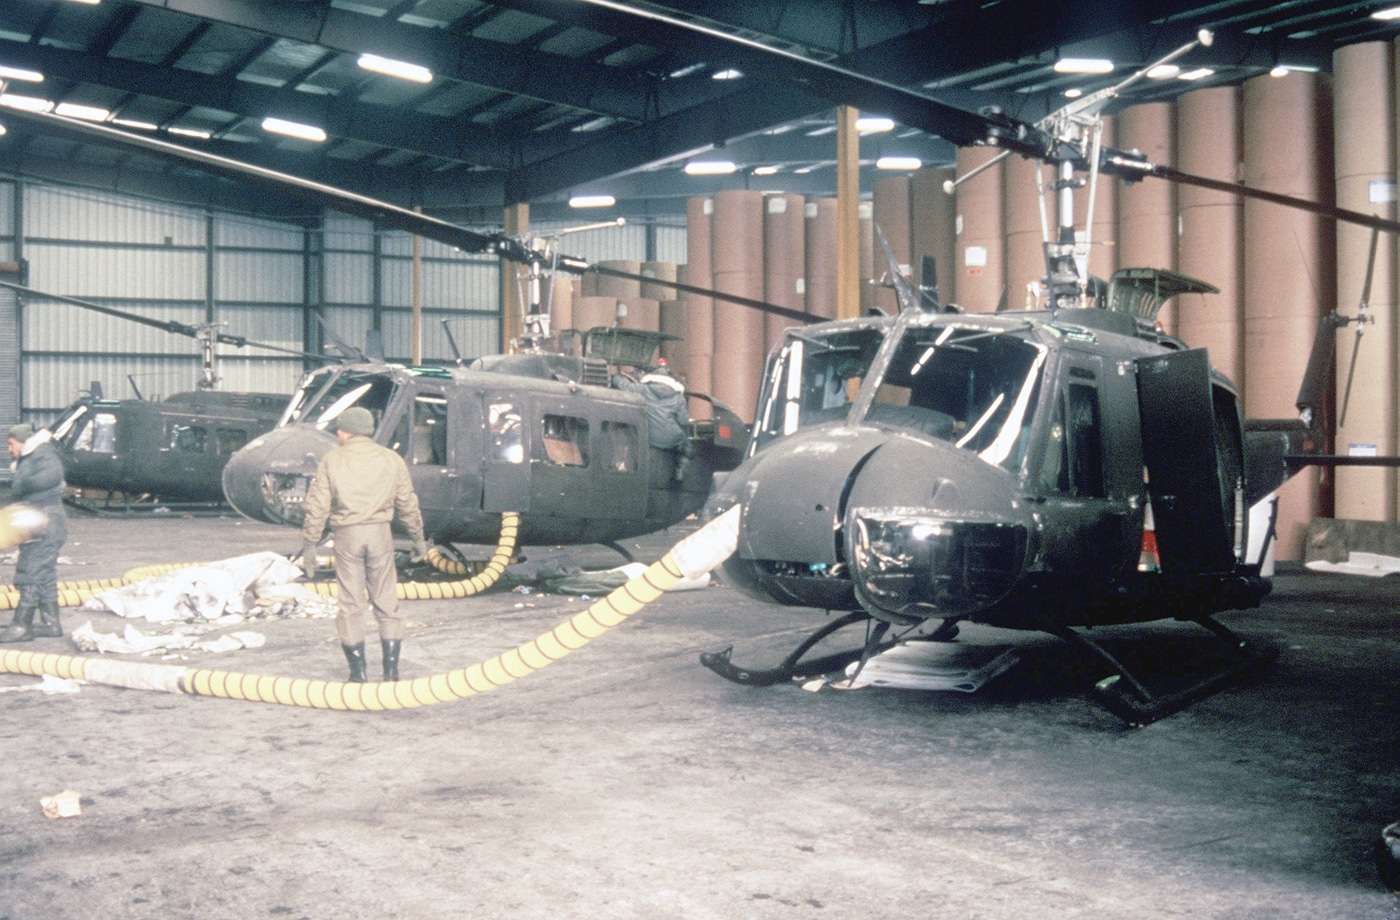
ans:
(170, 450)
(936, 467)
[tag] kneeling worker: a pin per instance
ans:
(359, 488)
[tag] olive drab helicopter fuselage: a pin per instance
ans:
(174, 448)
(544, 435)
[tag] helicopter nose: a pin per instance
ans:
(933, 532)
(267, 479)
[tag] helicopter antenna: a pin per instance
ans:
(452, 343)
(131, 379)
(1363, 316)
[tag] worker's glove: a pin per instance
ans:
(308, 560)
(420, 550)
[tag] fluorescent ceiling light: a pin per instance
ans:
(1278, 71)
(874, 124)
(905, 163)
(1073, 93)
(687, 71)
(19, 73)
(401, 69)
(592, 201)
(824, 129)
(129, 123)
(1163, 72)
(1083, 65)
(764, 170)
(293, 129)
(1200, 73)
(190, 132)
(729, 73)
(3, 130)
(87, 2)
(26, 103)
(85, 112)
(710, 168)
(1387, 15)
(597, 124)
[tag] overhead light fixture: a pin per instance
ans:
(4, 130)
(141, 125)
(84, 112)
(729, 73)
(874, 124)
(687, 71)
(592, 201)
(190, 132)
(390, 67)
(1073, 93)
(19, 73)
(824, 129)
(293, 129)
(1200, 73)
(803, 170)
(1278, 70)
(1387, 15)
(87, 2)
(710, 167)
(764, 170)
(596, 124)
(1163, 72)
(904, 163)
(25, 103)
(1083, 65)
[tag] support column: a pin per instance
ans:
(847, 213)
(516, 221)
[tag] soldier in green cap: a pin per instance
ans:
(38, 482)
(359, 488)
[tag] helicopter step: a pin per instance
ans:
(1126, 694)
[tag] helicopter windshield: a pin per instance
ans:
(972, 386)
(814, 380)
(322, 398)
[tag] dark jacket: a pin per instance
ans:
(668, 418)
(38, 475)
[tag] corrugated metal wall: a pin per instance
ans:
(168, 262)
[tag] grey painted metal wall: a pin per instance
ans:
(256, 278)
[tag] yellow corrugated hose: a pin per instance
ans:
(76, 593)
(693, 556)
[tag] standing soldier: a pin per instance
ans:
(38, 482)
(359, 488)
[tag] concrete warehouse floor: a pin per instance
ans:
(626, 781)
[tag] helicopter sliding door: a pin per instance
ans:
(427, 436)
(1179, 445)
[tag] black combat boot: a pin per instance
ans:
(391, 657)
(22, 627)
(46, 625)
(355, 654)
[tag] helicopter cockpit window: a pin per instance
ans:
(507, 434)
(371, 391)
(98, 434)
(813, 381)
(422, 436)
(1073, 463)
(187, 439)
(974, 387)
(565, 440)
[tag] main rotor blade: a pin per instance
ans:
(382, 212)
(1127, 167)
(165, 325)
(1362, 316)
(909, 108)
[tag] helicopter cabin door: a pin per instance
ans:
(588, 458)
(425, 436)
(1189, 500)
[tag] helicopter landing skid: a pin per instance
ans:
(1127, 697)
(793, 666)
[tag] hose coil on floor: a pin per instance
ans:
(692, 557)
(77, 593)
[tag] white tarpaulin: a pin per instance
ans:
(205, 592)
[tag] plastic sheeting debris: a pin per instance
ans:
(48, 684)
(935, 666)
(1374, 565)
(131, 642)
(65, 804)
(198, 592)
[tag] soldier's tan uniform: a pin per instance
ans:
(359, 488)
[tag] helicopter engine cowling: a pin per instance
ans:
(267, 479)
(933, 531)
